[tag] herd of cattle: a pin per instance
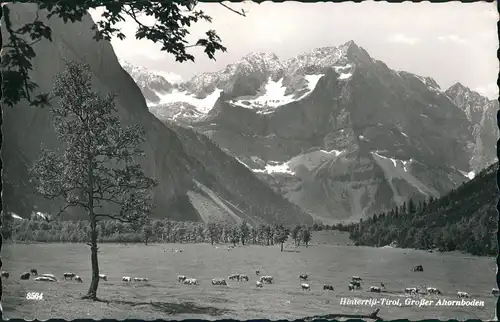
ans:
(44, 277)
(67, 275)
(354, 283)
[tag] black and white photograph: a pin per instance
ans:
(249, 160)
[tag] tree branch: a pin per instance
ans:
(242, 13)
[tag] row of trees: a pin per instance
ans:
(151, 231)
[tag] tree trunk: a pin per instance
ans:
(1, 178)
(92, 293)
(281, 246)
(307, 244)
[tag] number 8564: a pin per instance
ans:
(34, 296)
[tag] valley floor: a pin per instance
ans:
(163, 297)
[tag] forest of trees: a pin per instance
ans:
(36, 229)
(464, 220)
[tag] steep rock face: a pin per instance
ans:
(338, 132)
(481, 113)
(27, 129)
(183, 192)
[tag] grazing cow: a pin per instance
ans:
(126, 278)
(494, 291)
(462, 295)
(418, 268)
(267, 279)
(356, 284)
(181, 278)
(45, 279)
(34, 272)
(305, 286)
(411, 290)
(78, 279)
(69, 275)
(351, 287)
(234, 277)
(243, 277)
(356, 279)
(5, 274)
(303, 276)
(25, 276)
(328, 287)
(191, 281)
(259, 284)
(433, 290)
(103, 277)
(219, 281)
(375, 289)
(141, 279)
(257, 272)
(50, 276)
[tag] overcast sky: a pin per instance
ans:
(450, 42)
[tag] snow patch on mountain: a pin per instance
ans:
(470, 174)
(310, 161)
(345, 75)
(15, 216)
(273, 95)
(41, 215)
(203, 105)
(314, 159)
(275, 167)
(312, 81)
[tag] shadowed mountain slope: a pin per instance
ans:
(183, 192)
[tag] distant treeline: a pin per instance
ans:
(159, 231)
(464, 220)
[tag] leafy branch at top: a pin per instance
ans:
(172, 18)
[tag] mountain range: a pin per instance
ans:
(335, 131)
(197, 180)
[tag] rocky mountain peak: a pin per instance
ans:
(351, 50)
(465, 98)
(152, 84)
(458, 86)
